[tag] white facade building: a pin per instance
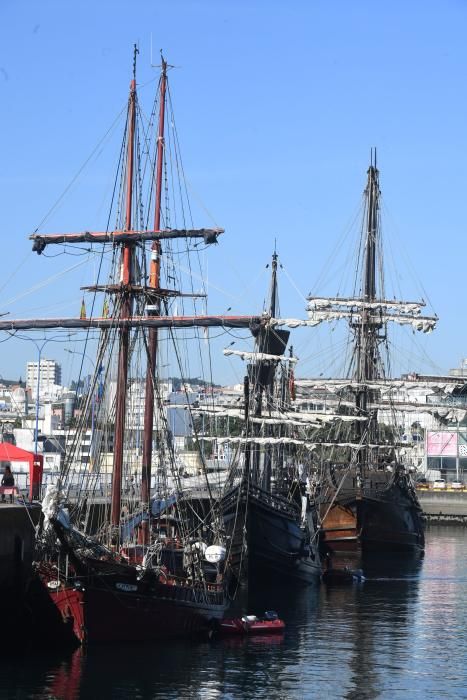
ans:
(50, 378)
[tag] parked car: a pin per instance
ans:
(439, 484)
(458, 485)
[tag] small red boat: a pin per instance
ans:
(250, 624)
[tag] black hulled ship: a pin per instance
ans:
(268, 515)
(366, 494)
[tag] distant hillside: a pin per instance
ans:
(193, 381)
(13, 382)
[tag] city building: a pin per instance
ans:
(50, 378)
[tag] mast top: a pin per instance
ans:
(163, 64)
(135, 53)
(273, 296)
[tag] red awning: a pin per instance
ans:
(11, 453)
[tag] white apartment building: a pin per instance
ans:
(50, 377)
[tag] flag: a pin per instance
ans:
(82, 313)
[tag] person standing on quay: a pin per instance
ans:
(7, 480)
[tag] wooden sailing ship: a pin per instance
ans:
(117, 582)
(268, 514)
(368, 503)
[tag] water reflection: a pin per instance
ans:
(401, 633)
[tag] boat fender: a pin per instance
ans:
(53, 585)
(249, 619)
(215, 554)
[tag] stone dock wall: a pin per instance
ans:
(444, 506)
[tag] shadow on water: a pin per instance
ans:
(333, 644)
(220, 668)
(399, 634)
(373, 624)
(392, 566)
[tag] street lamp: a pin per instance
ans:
(39, 354)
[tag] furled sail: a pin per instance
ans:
(259, 356)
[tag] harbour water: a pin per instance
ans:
(401, 633)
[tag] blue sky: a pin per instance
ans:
(277, 107)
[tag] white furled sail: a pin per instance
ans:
(259, 356)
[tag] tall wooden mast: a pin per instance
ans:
(262, 373)
(368, 328)
(154, 283)
(273, 304)
(125, 313)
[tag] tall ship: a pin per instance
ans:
(141, 564)
(367, 500)
(269, 515)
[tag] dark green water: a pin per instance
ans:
(399, 636)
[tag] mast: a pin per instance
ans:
(273, 293)
(273, 304)
(262, 375)
(368, 327)
(125, 313)
(154, 283)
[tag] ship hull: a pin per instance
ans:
(102, 612)
(267, 539)
(383, 519)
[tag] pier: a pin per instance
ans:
(17, 535)
(448, 506)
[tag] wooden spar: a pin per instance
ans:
(154, 283)
(124, 331)
(252, 322)
(41, 241)
(148, 292)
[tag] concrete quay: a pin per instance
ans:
(448, 506)
(17, 539)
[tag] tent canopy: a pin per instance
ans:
(11, 453)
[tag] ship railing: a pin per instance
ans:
(277, 502)
(197, 591)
